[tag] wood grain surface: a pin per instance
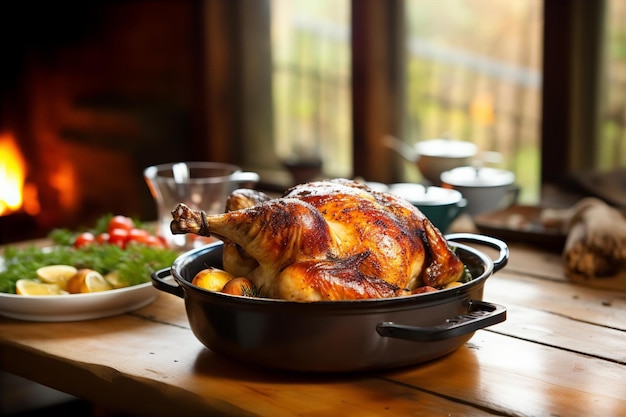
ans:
(560, 352)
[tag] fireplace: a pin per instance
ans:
(19, 202)
(88, 98)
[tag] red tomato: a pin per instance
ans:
(120, 222)
(163, 241)
(85, 238)
(146, 239)
(143, 237)
(102, 238)
(118, 237)
(157, 242)
(135, 234)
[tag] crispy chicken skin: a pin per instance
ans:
(235, 259)
(327, 240)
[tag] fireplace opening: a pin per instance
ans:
(16, 195)
(88, 99)
(19, 202)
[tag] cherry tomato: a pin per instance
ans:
(85, 238)
(135, 234)
(118, 237)
(163, 241)
(102, 238)
(148, 240)
(155, 241)
(120, 222)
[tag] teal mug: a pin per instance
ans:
(441, 205)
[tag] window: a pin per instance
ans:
(611, 153)
(519, 78)
(473, 72)
(311, 82)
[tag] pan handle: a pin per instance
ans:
(480, 315)
(498, 244)
(158, 281)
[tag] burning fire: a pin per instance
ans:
(15, 195)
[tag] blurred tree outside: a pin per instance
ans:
(473, 72)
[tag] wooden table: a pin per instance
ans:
(561, 352)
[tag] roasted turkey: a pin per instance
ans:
(327, 240)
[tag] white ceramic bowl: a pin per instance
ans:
(435, 156)
(485, 188)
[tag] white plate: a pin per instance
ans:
(76, 307)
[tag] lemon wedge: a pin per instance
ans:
(56, 274)
(87, 280)
(113, 278)
(95, 282)
(33, 287)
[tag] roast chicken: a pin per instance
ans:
(327, 240)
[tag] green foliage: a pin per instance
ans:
(134, 264)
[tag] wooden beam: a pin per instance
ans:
(572, 57)
(378, 68)
(220, 81)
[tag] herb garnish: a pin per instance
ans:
(134, 264)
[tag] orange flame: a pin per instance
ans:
(14, 193)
